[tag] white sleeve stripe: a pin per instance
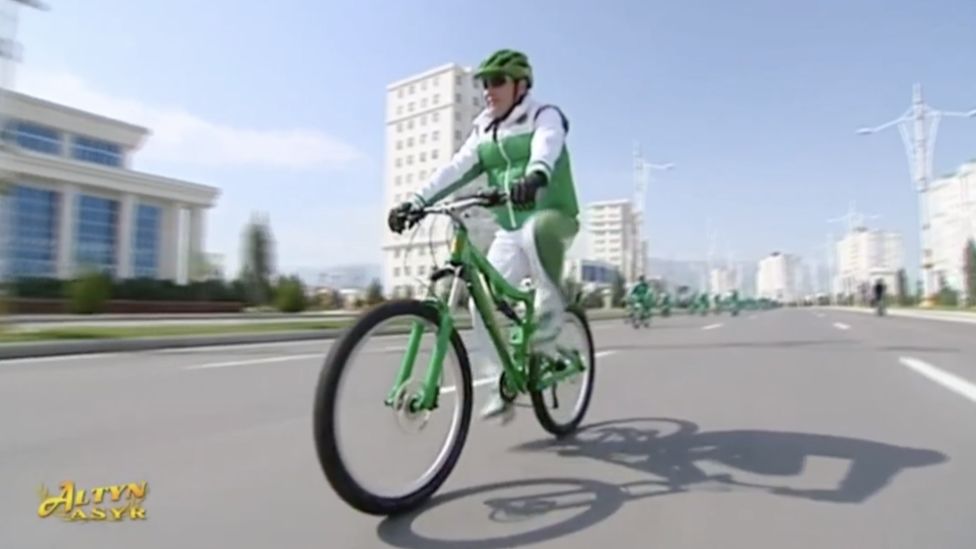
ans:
(548, 139)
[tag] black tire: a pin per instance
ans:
(538, 397)
(323, 419)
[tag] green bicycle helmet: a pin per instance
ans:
(510, 63)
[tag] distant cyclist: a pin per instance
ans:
(879, 295)
(640, 296)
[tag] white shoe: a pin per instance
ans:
(497, 407)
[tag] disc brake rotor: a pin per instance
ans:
(410, 421)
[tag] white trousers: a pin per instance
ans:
(514, 255)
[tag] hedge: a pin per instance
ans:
(136, 289)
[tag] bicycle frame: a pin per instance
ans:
(469, 266)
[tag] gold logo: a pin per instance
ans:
(107, 503)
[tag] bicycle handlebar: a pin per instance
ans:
(484, 199)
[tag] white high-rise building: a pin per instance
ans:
(612, 234)
(952, 211)
(778, 277)
(428, 117)
(722, 280)
(864, 256)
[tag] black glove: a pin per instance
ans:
(398, 217)
(523, 192)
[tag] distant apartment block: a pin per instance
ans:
(612, 232)
(952, 214)
(428, 117)
(865, 256)
(778, 277)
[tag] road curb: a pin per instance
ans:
(961, 317)
(176, 317)
(9, 351)
(48, 349)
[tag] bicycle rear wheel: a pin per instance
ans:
(341, 425)
(560, 409)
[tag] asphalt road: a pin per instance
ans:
(788, 428)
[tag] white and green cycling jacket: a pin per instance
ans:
(531, 138)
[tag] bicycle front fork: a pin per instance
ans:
(426, 398)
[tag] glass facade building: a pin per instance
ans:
(34, 226)
(33, 231)
(73, 204)
(96, 234)
(146, 243)
(96, 151)
(33, 137)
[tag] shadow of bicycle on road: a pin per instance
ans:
(672, 452)
(675, 457)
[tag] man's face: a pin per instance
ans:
(500, 93)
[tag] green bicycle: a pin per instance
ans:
(413, 403)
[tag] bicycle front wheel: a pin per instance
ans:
(560, 409)
(379, 454)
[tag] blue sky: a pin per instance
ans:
(756, 102)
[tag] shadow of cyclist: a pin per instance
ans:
(675, 458)
(671, 453)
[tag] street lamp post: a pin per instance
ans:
(642, 175)
(918, 127)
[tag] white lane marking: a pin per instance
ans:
(489, 380)
(90, 356)
(753, 317)
(248, 362)
(712, 326)
(841, 326)
(947, 316)
(820, 315)
(477, 383)
(401, 348)
(949, 381)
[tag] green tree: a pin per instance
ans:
(258, 260)
(374, 293)
(619, 291)
(290, 295)
(89, 293)
(571, 288)
(947, 297)
(332, 299)
(593, 300)
(969, 261)
(904, 298)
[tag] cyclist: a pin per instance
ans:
(735, 302)
(520, 145)
(879, 295)
(665, 303)
(640, 295)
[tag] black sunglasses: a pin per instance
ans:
(495, 81)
